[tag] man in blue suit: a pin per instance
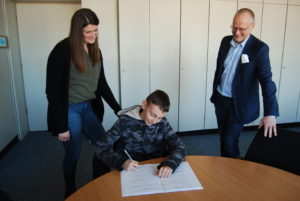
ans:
(243, 63)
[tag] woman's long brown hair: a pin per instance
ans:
(80, 19)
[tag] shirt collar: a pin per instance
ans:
(235, 44)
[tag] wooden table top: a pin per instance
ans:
(222, 178)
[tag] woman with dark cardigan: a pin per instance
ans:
(75, 87)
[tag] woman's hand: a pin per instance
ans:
(64, 136)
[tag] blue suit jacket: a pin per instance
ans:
(248, 76)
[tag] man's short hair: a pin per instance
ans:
(159, 98)
(246, 10)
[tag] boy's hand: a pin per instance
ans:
(164, 172)
(130, 165)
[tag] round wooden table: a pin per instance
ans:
(222, 178)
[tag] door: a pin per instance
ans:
(41, 26)
(193, 62)
(219, 26)
(134, 51)
(272, 24)
(8, 120)
(164, 52)
(149, 51)
(290, 83)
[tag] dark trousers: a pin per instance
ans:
(99, 168)
(229, 126)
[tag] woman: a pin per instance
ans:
(75, 87)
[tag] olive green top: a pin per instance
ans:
(82, 85)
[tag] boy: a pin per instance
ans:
(144, 132)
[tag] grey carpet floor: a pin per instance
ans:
(32, 169)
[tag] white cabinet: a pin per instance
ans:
(250, 1)
(193, 62)
(275, 1)
(219, 26)
(294, 2)
(172, 45)
(149, 51)
(273, 30)
(290, 82)
(164, 52)
(134, 51)
(272, 33)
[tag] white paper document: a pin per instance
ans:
(144, 181)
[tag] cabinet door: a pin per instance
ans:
(134, 51)
(272, 33)
(193, 62)
(294, 2)
(290, 82)
(164, 52)
(276, 1)
(218, 28)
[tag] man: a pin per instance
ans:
(243, 63)
(141, 133)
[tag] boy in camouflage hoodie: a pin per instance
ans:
(145, 133)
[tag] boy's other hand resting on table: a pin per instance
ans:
(130, 165)
(164, 172)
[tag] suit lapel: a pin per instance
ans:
(246, 50)
(225, 50)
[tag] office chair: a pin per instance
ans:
(282, 151)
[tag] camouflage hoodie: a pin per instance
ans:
(142, 142)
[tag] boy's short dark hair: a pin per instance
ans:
(159, 98)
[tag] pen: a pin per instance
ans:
(127, 154)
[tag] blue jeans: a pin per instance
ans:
(81, 119)
(230, 127)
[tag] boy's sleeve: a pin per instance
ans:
(104, 150)
(175, 147)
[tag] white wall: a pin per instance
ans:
(13, 118)
(172, 45)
